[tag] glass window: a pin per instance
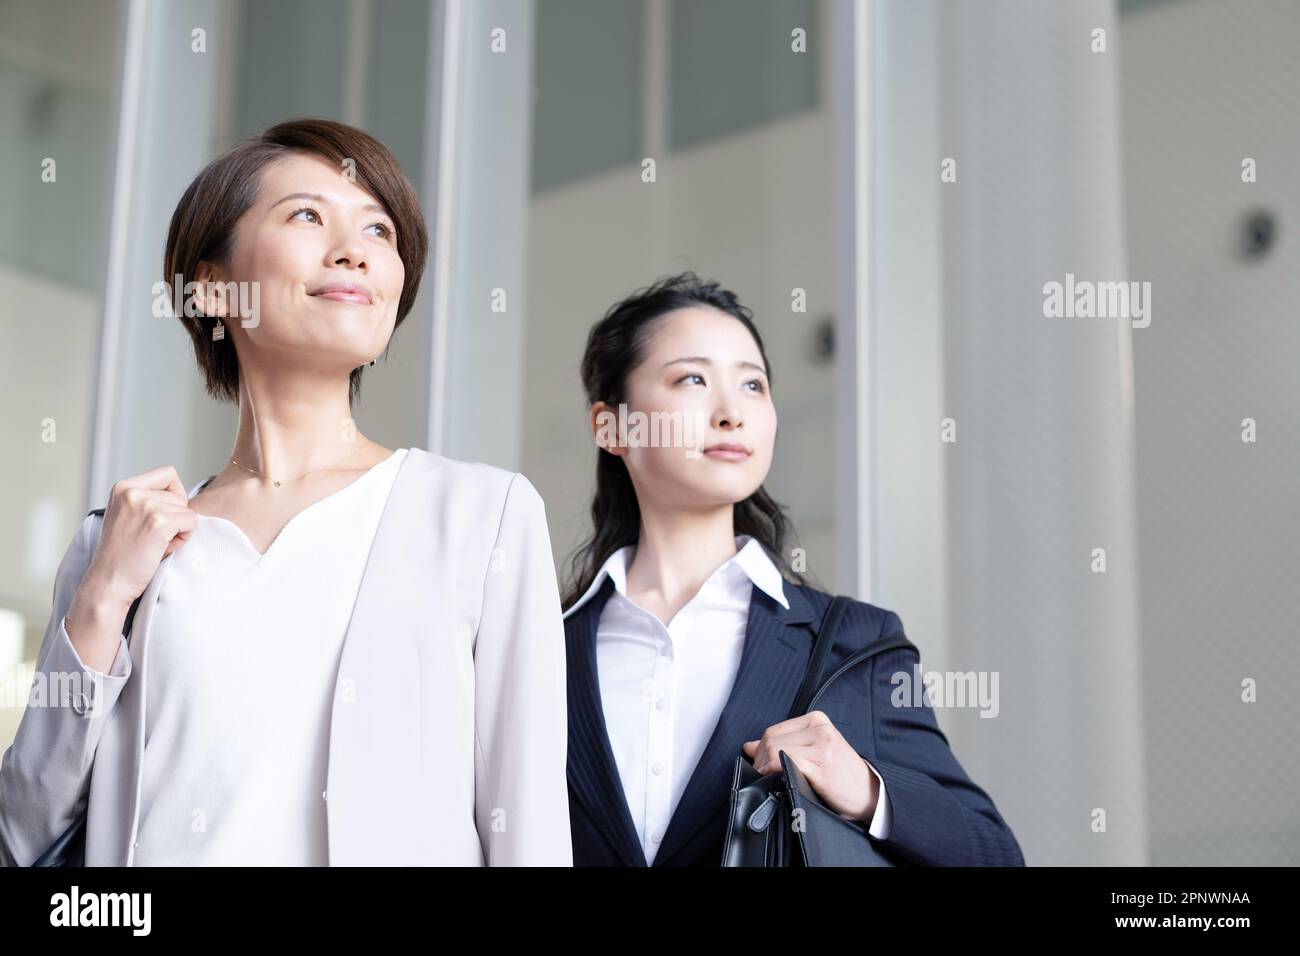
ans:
(58, 70)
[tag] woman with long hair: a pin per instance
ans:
(689, 632)
(329, 651)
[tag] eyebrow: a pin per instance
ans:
(317, 197)
(705, 361)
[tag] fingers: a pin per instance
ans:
(181, 523)
(143, 502)
(807, 759)
(814, 718)
(805, 738)
(160, 514)
(810, 719)
(176, 543)
(809, 747)
(164, 478)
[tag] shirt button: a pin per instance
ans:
(661, 703)
(657, 769)
(657, 836)
(322, 794)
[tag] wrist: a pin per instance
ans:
(103, 588)
(98, 607)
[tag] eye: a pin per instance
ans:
(690, 375)
(762, 386)
(298, 212)
(386, 231)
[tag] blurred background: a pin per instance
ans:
(1102, 515)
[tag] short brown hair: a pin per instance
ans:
(203, 225)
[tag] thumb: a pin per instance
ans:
(176, 542)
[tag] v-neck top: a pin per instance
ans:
(244, 651)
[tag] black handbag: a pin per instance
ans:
(70, 848)
(777, 819)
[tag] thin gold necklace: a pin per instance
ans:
(305, 473)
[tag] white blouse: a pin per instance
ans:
(234, 767)
(663, 689)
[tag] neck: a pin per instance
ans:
(295, 422)
(677, 551)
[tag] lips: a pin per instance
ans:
(344, 292)
(727, 451)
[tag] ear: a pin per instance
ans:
(603, 421)
(210, 289)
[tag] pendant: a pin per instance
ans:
(277, 484)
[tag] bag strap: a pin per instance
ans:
(871, 650)
(806, 699)
(821, 650)
(130, 615)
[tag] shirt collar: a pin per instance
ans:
(750, 557)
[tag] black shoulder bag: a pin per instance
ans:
(777, 819)
(70, 848)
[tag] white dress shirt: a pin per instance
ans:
(663, 688)
(243, 656)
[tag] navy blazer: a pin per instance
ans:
(939, 815)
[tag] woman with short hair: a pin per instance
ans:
(338, 652)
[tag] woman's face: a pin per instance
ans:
(701, 365)
(324, 257)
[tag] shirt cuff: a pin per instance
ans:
(121, 666)
(882, 819)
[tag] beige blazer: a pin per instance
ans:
(448, 734)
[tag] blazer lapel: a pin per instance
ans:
(593, 774)
(772, 664)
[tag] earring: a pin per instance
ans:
(218, 331)
(372, 361)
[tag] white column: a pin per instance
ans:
(150, 399)
(478, 400)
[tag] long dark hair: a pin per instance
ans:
(615, 346)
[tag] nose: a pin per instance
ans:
(349, 251)
(727, 415)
